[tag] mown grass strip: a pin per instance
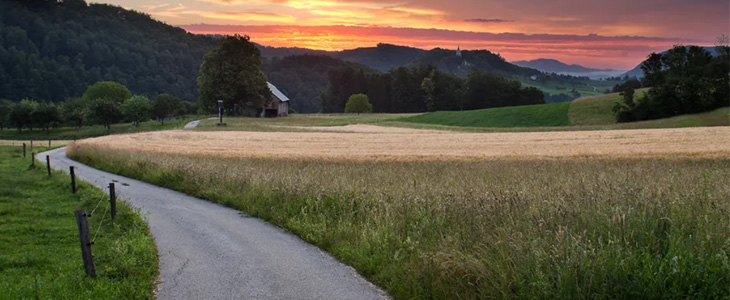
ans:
(40, 256)
(543, 115)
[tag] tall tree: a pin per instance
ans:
(105, 111)
(74, 111)
(45, 115)
(5, 107)
(137, 109)
(231, 72)
(20, 114)
(164, 106)
(108, 90)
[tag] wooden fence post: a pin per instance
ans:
(73, 179)
(113, 199)
(31, 145)
(32, 159)
(83, 223)
(48, 165)
(23, 150)
(49, 144)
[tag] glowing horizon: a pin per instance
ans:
(616, 35)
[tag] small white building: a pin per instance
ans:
(279, 105)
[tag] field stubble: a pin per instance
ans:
(578, 227)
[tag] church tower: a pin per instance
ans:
(458, 51)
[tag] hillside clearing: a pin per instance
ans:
(543, 115)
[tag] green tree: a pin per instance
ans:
(165, 105)
(5, 107)
(428, 87)
(105, 111)
(358, 103)
(108, 90)
(230, 72)
(45, 115)
(74, 111)
(20, 114)
(137, 109)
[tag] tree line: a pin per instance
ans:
(424, 88)
(104, 103)
(684, 80)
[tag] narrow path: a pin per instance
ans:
(192, 124)
(208, 251)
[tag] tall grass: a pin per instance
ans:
(563, 228)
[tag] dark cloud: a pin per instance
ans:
(480, 20)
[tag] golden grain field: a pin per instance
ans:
(368, 142)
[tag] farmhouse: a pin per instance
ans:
(279, 105)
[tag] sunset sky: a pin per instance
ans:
(614, 34)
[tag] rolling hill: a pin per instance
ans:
(587, 113)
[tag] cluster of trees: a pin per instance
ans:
(424, 88)
(103, 103)
(684, 80)
(53, 50)
(303, 78)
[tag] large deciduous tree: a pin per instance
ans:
(105, 111)
(358, 103)
(231, 72)
(5, 107)
(74, 110)
(45, 115)
(165, 105)
(137, 109)
(20, 114)
(108, 90)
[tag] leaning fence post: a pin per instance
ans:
(113, 199)
(83, 223)
(48, 165)
(73, 179)
(23, 150)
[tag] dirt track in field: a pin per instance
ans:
(368, 142)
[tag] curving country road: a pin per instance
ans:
(208, 251)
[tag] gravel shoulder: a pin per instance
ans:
(208, 251)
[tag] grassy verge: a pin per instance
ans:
(70, 133)
(555, 114)
(40, 256)
(555, 229)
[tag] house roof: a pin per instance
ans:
(277, 93)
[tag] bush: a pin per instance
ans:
(358, 103)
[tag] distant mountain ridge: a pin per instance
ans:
(555, 66)
(549, 65)
(385, 57)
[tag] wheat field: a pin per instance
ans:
(367, 143)
(632, 214)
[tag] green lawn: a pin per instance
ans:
(70, 133)
(40, 257)
(554, 114)
(596, 110)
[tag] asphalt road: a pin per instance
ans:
(208, 251)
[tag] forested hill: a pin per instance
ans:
(52, 50)
(385, 57)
